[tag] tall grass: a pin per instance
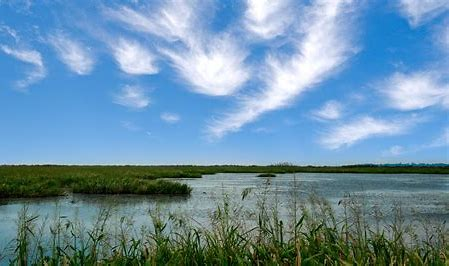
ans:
(311, 234)
(45, 181)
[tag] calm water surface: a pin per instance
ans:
(425, 196)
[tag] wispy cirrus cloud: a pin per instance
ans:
(331, 110)
(133, 58)
(170, 118)
(418, 12)
(73, 53)
(357, 130)
(416, 90)
(440, 141)
(268, 19)
(215, 69)
(324, 47)
(442, 37)
(211, 63)
(172, 20)
(131, 126)
(133, 97)
(395, 150)
(9, 31)
(32, 57)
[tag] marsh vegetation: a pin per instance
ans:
(273, 221)
(266, 175)
(44, 181)
(313, 234)
(56, 180)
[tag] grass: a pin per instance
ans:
(266, 175)
(311, 235)
(55, 180)
(45, 181)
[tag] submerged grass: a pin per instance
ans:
(311, 235)
(55, 180)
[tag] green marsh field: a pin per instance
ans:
(251, 228)
(56, 180)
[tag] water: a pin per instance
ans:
(420, 195)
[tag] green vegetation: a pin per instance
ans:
(312, 235)
(266, 175)
(44, 181)
(55, 180)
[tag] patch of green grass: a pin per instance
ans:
(45, 181)
(266, 175)
(129, 186)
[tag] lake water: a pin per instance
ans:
(425, 196)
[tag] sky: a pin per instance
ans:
(224, 82)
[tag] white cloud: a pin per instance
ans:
(268, 19)
(325, 46)
(9, 31)
(443, 37)
(441, 141)
(331, 110)
(170, 118)
(73, 53)
(133, 97)
(363, 128)
(395, 150)
(32, 57)
(213, 64)
(263, 130)
(416, 91)
(418, 12)
(129, 125)
(173, 20)
(216, 69)
(133, 58)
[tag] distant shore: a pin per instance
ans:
(24, 181)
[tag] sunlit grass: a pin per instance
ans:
(44, 181)
(311, 235)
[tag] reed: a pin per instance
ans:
(313, 234)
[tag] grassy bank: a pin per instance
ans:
(312, 235)
(44, 181)
(54, 180)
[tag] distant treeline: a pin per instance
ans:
(177, 171)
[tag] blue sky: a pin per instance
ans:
(215, 82)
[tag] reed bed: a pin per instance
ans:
(311, 234)
(47, 181)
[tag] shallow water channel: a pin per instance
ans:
(419, 195)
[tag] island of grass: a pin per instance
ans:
(52, 180)
(19, 181)
(266, 175)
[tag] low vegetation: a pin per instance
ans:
(266, 175)
(311, 235)
(55, 180)
(44, 181)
